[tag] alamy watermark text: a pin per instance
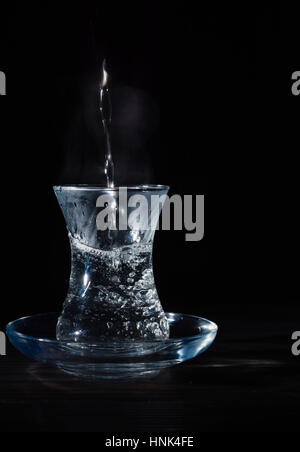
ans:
(141, 212)
(2, 344)
(2, 84)
(296, 344)
(296, 83)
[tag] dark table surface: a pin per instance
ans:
(249, 380)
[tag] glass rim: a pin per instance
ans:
(94, 187)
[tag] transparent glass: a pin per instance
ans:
(112, 292)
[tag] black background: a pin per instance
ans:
(202, 102)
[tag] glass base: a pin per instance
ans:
(112, 359)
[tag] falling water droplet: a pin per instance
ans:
(106, 113)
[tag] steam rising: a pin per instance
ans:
(134, 134)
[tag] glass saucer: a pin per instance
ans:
(35, 337)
